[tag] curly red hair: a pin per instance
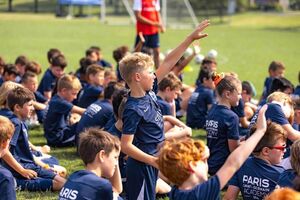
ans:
(175, 156)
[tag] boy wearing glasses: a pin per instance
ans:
(259, 174)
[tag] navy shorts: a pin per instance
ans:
(151, 41)
(67, 137)
(43, 182)
(7, 184)
(141, 180)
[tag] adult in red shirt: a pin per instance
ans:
(149, 24)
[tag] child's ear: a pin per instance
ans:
(137, 77)
(17, 107)
(101, 155)
(265, 151)
(4, 145)
(192, 167)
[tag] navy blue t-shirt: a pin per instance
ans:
(6, 113)
(104, 63)
(209, 190)
(296, 94)
(89, 95)
(197, 107)
(7, 185)
(267, 87)
(256, 178)
(84, 184)
(165, 107)
(47, 83)
(286, 178)
(96, 115)
(56, 118)
(19, 146)
(142, 117)
(222, 124)
(122, 161)
(41, 99)
(273, 113)
(1, 81)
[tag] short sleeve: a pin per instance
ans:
(234, 180)
(275, 114)
(233, 127)
(131, 120)
(157, 5)
(63, 107)
(15, 136)
(137, 5)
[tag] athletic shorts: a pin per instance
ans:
(151, 41)
(141, 180)
(43, 182)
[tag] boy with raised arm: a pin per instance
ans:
(143, 121)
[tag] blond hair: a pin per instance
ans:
(178, 154)
(5, 88)
(132, 63)
(285, 99)
(68, 82)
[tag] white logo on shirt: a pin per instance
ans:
(146, 109)
(68, 193)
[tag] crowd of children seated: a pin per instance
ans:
(124, 124)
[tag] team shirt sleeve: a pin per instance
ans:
(131, 120)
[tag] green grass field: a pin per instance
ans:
(246, 44)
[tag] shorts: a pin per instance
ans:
(151, 41)
(141, 180)
(7, 184)
(43, 182)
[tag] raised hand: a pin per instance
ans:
(197, 33)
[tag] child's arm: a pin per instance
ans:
(134, 152)
(175, 55)
(11, 161)
(138, 47)
(39, 106)
(231, 193)
(48, 94)
(292, 134)
(43, 149)
(238, 156)
(174, 121)
(116, 181)
(78, 110)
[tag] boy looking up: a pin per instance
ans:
(142, 117)
(57, 126)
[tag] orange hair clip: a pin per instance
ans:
(218, 78)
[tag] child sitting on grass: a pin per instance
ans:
(92, 90)
(259, 174)
(7, 182)
(20, 160)
(184, 163)
(58, 128)
(99, 151)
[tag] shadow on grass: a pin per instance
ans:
(284, 29)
